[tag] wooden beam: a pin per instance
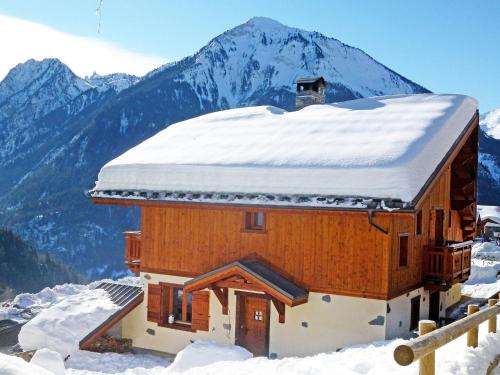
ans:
(280, 307)
(222, 296)
(237, 285)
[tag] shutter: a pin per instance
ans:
(154, 303)
(200, 307)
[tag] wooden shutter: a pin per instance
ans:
(200, 308)
(154, 303)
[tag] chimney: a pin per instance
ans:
(310, 90)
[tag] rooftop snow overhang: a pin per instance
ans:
(245, 199)
(311, 180)
(258, 275)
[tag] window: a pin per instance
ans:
(255, 221)
(403, 250)
(169, 306)
(414, 313)
(175, 303)
(439, 227)
(178, 303)
(418, 228)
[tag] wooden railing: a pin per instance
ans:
(448, 264)
(133, 251)
(423, 347)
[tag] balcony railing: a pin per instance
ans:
(133, 251)
(447, 265)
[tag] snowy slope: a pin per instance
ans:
(490, 123)
(395, 142)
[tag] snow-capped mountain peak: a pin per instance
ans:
(490, 123)
(116, 81)
(263, 54)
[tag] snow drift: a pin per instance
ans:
(62, 326)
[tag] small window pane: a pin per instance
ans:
(259, 219)
(177, 300)
(255, 220)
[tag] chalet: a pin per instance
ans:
(488, 223)
(333, 225)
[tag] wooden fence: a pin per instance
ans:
(423, 347)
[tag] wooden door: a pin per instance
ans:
(434, 307)
(439, 227)
(252, 323)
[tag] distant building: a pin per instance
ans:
(311, 90)
(489, 222)
(293, 233)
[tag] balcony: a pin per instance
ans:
(447, 265)
(133, 251)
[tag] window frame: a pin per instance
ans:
(249, 222)
(167, 306)
(419, 223)
(407, 236)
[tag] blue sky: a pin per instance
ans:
(447, 46)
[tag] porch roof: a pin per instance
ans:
(260, 276)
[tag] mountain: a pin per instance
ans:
(23, 269)
(489, 159)
(59, 153)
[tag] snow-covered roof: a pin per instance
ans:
(381, 147)
(489, 212)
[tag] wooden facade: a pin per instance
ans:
(327, 251)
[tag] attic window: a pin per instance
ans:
(403, 250)
(255, 221)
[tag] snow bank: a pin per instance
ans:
(49, 360)
(203, 353)
(485, 266)
(62, 326)
(395, 142)
(454, 358)
(10, 365)
(26, 305)
(84, 362)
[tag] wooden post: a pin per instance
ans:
(427, 364)
(472, 335)
(492, 323)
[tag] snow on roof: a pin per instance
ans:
(379, 147)
(489, 212)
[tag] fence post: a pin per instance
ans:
(492, 323)
(427, 363)
(472, 335)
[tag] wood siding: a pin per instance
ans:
(335, 252)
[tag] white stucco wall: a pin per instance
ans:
(342, 322)
(324, 325)
(398, 317)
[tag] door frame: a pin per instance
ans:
(240, 297)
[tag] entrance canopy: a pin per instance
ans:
(253, 275)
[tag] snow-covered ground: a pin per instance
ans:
(483, 281)
(209, 358)
(26, 305)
